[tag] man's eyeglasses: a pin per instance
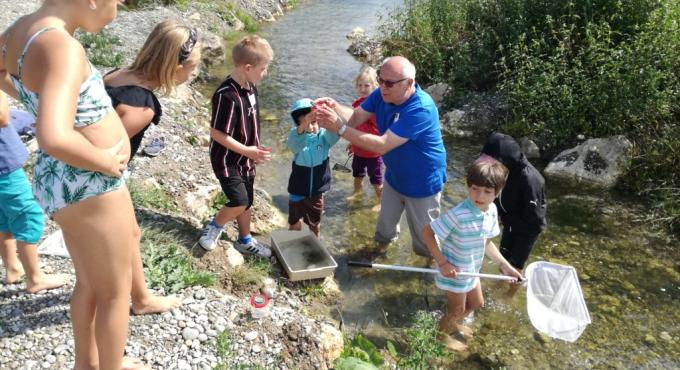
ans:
(389, 84)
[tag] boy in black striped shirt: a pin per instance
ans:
(235, 143)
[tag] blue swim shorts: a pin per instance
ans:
(20, 214)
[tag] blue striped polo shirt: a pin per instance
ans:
(462, 232)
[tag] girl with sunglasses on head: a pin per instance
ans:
(167, 59)
(77, 177)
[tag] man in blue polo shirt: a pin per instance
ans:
(410, 142)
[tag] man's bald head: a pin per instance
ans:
(400, 65)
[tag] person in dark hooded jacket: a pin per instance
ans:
(521, 204)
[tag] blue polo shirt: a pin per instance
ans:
(416, 168)
(13, 153)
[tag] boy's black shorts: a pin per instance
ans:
(239, 190)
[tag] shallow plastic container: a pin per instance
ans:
(302, 255)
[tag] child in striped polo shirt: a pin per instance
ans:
(463, 236)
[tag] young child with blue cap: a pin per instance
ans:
(311, 172)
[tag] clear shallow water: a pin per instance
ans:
(630, 272)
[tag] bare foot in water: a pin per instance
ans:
(376, 208)
(156, 304)
(354, 196)
(131, 363)
(451, 344)
(13, 276)
(47, 282)
(464, 330)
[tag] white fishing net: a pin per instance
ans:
(555, 302)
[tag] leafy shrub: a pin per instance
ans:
(359, 353)
(144, 196)
(605, 84)
(424, 346)
(167, 265)
(99, 48)
(460, 41)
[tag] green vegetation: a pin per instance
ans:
(99, 48)
(424, 348)
(223, 351)
(139, 4)
(311, 290)
(423, 351)
(359, 353)
(581, 67)
(230, 14)
(147, 196)
(252, 272)
(167, 264)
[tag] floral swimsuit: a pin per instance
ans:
(55, 183)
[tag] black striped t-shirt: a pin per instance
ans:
(234, 112)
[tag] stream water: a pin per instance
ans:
(629, 271)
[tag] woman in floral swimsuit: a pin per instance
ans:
(77, 178)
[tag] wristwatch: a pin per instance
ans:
(342, 129)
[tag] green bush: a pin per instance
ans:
(600, 84)
(424, 346)
(167, 265)
(460, 41)
(99, 48)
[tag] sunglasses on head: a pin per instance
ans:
(388, 84)
(188, 46)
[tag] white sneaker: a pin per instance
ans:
(254, 247)
(211, 234)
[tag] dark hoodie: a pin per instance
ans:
(521, 204)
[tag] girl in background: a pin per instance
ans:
(168, 58)
(366, 162)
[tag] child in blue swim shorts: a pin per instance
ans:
(21, 219)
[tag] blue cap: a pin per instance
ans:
(300, 107)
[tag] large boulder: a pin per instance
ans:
(363, 46)
(596, 163)
(331, 343)
(438, 92)
(264, 10)
(476, 118)
(212, 50)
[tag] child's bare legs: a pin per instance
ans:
(358, 182)
(243, 222)
(454, 313)
(36, 280)
(459, 308)
(378, 195)
(227, 214)
(8, 252)
(99, 233)
(316, 228)
(143, 302)
(296, 226)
